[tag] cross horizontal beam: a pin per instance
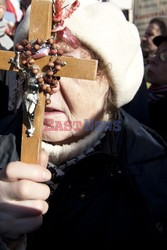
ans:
(77, 68)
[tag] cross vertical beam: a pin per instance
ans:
(40, 26)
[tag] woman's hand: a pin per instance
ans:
(22, 197)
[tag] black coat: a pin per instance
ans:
(158, 118)
(119, 192)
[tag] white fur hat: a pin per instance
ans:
(103, 28)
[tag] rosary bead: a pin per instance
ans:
(48, 79)
(17, 45)
(20, 47)
(50, 73)
(39, 41)
(51, 64)
(31, 61)
(40, 79)
(43, 87)
(28, 53)
(60, 52)
(29, 46)
(53, 52)
(24, 62)
(50, 41)
(54, 83)
(24, 42)
(58, 61)
(58, 67)
(35, 71)
(36, 47)
(48, 101)
(49, 90)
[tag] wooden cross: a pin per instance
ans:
(40, 26)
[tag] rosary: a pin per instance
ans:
(29, 76)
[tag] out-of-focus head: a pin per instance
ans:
(157, 69)
(157, 26)
(2, 8)
(103, 29)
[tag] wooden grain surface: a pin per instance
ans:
(40, 26)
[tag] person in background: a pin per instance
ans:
(104, 183)
(24, 5)
(157, 76)
(5, 40)
(6, 43)
(157, 26)
(13, 16)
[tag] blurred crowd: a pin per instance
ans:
(11, 13)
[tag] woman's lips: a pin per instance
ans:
(52, 111)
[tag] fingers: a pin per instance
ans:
(26, 190)
(19, 170)
(43, 159)
(27, 208)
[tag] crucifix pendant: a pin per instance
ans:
(31, 94)
(30, 98)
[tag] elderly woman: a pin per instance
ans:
(105, 183)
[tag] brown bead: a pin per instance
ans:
(49, 90)
(24, 42)
(20, 48)
(40, 79)
(17, 45)
(28, 53)
(50, 41)
(58, 67)
(54, 83)
(58, 61)
(29, 46)
(36, 47)
(51, 64)
(39, 41)
(31, 61)
(53, 52)
(60, 52)
(50, 73)
(24, 62)
(48, 79)
(43, 87)
(48, 101)
(35, 71)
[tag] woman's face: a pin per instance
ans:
(157, 68)
(74, 101)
